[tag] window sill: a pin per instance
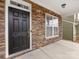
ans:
(51, 37)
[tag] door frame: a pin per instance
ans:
(7, 5)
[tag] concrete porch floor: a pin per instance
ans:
(58, 50)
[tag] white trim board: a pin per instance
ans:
(7, 4)
(68, 21)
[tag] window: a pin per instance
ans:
(51, 26)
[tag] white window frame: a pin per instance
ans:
(46, 27)
(7, 4)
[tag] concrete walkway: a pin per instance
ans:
(58, 50)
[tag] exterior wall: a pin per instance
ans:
(38, 27)
(68, 27)
(67, 31)
(38, 22)
(69, 18)
(2, 25)
(77, 33)
(77, 30)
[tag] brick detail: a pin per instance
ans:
(2, 30)
(38, 26)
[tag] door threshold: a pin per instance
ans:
(19, 53)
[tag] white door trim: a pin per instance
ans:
(7, 4)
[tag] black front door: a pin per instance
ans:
(19, 34)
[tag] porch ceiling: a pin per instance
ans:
(55, 5)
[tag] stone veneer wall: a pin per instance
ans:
(38, 27)
(2, 30)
